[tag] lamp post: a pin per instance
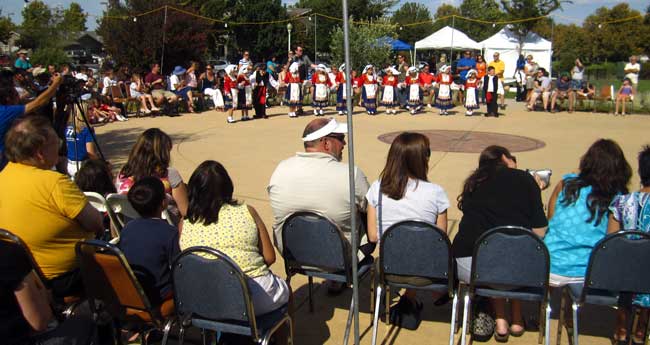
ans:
(289, 27)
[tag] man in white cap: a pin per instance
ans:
(22, 62)
(316, 180)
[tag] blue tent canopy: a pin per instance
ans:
(396, 45)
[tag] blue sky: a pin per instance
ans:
(571, 13)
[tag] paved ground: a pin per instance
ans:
(251, 150)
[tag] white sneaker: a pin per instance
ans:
(292, 114)
(428, 105)
(468, 113)
(340, 113)
(320, 112)
(230, 119)
(413, 112)
(315, 112)
(120, 117)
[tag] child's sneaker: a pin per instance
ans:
(230, 119)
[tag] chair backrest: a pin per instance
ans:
(108, 277)
(100, 204)
(116, 91)
(12, 238)
(311, 240)
(416, 248)
(606, 91)
(618, 263)
(510, 255)
(122, 210)
(222, 297)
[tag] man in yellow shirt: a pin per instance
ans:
(499, 69)
(43, 207)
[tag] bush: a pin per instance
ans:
(49, 56)
(605, 70)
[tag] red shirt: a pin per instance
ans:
(473, 84)
(242, 78)
(318, 78)
(151, 77)
(229, 84)
(426, 78)
(340, 78)
(411, 81)
(365, 80)
(390, 81)
(292, 79)
(444, 78)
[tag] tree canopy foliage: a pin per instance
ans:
(412, 12)
(6, 26)
(364, 46)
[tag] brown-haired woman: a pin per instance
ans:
(406, 193)
(151, 156)
(497, 194)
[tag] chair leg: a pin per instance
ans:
(203, 338)
(541, 325)
(311, 300)
(372, 290)
(166, 330)
(463, 335)
(452, 328)
(560, 323)
(290, 325)
(574, 308)
(181, 334)
(547, 324)
(348, 324)
(375, 320)
(387, 306)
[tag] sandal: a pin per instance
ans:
(518, 334)
(501, 338)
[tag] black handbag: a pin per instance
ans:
(406, 314)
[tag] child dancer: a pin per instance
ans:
(369, 90)
(443, 98)
(230, 91)
(389, 98)
(341, 95)
(320, 85)
(414, 90)
(137, 91)
(471, 92)
(293, 96)
(625, 93)
(245, 93)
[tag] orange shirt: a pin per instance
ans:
(481, 69)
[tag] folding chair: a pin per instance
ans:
(118, 97)
(132, 100)
(415, 249)
(101, 205)
(515, 258)
(123, 212)
(617, 268)
(223, 302)
(316, 247)
(108, 278)
(65, 305)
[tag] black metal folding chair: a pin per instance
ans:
(617, 267)
(510, 262)
(223, 302)
(316, 247)
(415, 249)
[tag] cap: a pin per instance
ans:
(329, 128)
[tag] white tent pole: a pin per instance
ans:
(453, 23)
(351, 173)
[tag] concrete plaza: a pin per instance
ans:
(251, 150)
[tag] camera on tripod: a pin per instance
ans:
(70, 89)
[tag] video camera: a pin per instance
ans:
(70, 89)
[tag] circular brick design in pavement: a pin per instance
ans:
(471, 142)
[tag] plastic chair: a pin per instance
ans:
(617, 267)
(316, 247)
(65, 305)
(123, 211)
(100, 204)
(415, 249)
(108, 278)
(516, 259)
(223, 302)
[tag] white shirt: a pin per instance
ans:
(107, 82)
(490, 85)
(173, 81)
(422, 201)
(634, 77)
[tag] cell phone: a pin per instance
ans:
(543, 174)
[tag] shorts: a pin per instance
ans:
(158, 93)
(576, 84)
(268, 293)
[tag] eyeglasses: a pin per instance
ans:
(339, 137)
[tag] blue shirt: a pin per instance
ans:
(268, 67)
(466, 62)
(7, 115)
(77, 148)
(570, 238)
(150, 245)
(22, 64)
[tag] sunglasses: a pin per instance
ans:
(339, 137)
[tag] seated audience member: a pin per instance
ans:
(95, 176)
(587, 92)
(178, 85)
(497, 194)
(216, 220)
(10, 107)
(26, 316)
(542, 88)
(632, 212)
(43, 207)
(563, 91)
(149, 243)
(151, 156)
(79, 142)
(577, 210)
(156, 82)
(210, 87)
(406, 193)
(625, 93)
(316, 180)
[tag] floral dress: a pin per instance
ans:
(632, 211)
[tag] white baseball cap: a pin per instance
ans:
(329, 128)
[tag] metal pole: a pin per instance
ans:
(289, 44)
(451, 53)
(550, 67)
(315, 38)
(353, 206)
(162, 57)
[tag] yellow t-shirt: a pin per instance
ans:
(39, 206)
(499, 68)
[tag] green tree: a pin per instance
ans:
(443, 16)
(49, 56)
(6, 26)
(525, 9)
(568, 45)
(412, 12)
(363, 45)
(37, 27)
(261, 40)
(616, 41)
(73, 20)
(484, 10)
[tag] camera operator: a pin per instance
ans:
(10, 107)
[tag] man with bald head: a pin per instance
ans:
(316, 180)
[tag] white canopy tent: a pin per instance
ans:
(447, 38)
(506, 44)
